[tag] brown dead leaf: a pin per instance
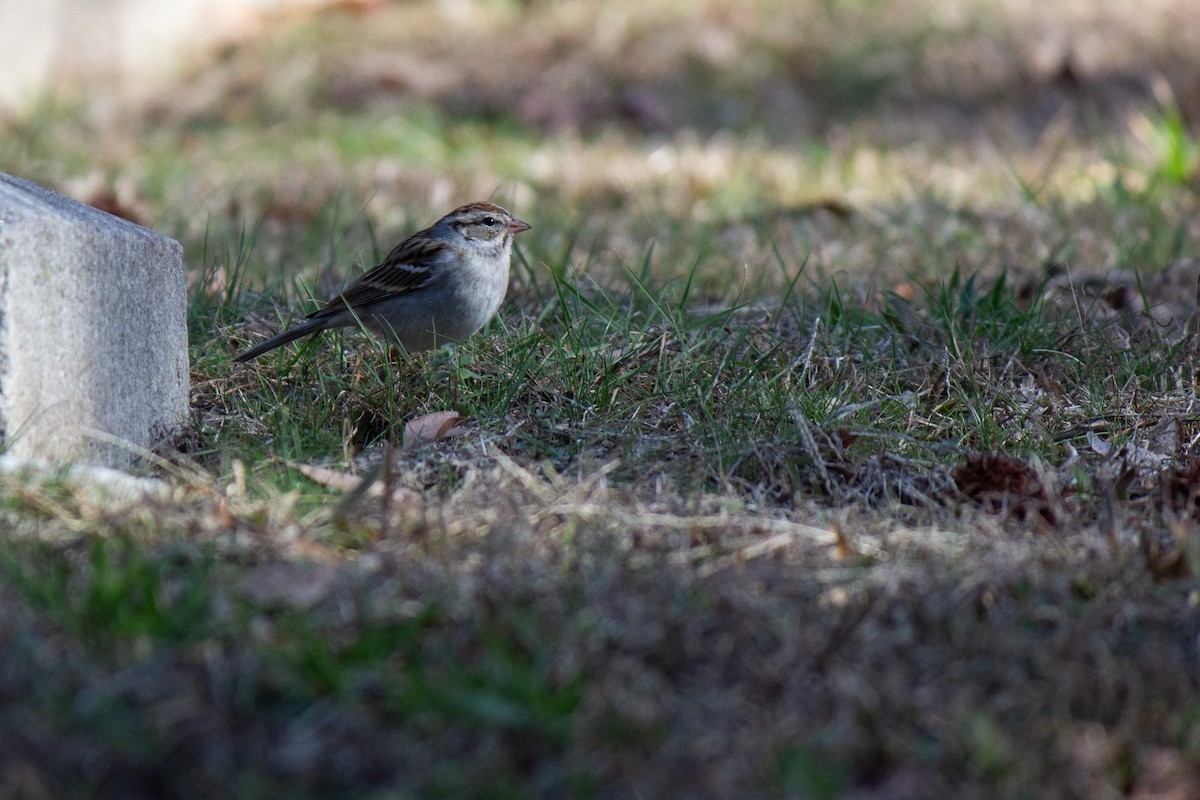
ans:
(108, 201)
(213, 282)
(1181, 487)
(1000, 483)
(1167, 557)
(431, 427)
(334, 479)
(346, 482)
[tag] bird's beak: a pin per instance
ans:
(516, 226)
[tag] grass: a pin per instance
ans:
(830, 442)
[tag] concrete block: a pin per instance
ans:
(93, 330)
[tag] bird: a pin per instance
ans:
(438, 286)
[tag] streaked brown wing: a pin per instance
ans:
(407, 267)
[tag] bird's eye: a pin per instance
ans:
(489, 221)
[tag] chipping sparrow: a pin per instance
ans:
(439, 285)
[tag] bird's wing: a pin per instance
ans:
(410, 266)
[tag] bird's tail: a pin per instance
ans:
(306, 328)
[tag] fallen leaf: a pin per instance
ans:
(344, 481)
(332, 478)
(109, 202)
(211, 281)
(431, 427)
(1181, 487)
(1098, 445)
(1001, 483)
